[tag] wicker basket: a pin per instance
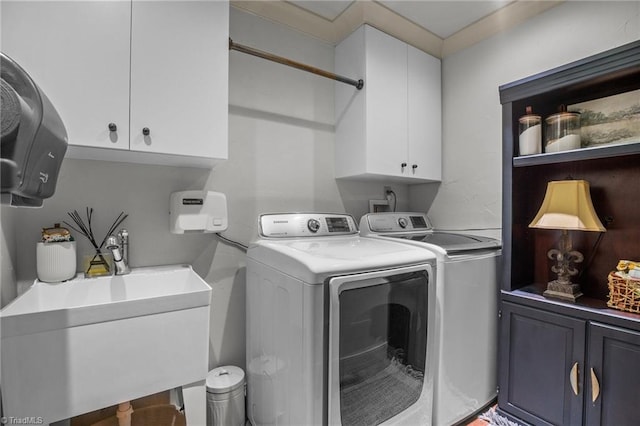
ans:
(624, 293)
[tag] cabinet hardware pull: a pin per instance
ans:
(573, 378)
(403, 165)
(415, 166)
(595, 386)
(113, 127)
(146, 131)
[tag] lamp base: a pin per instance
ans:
(565, 291)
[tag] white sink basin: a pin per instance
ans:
(144, 291)
(73, 347)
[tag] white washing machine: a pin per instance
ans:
(466, 322)
(339, 327)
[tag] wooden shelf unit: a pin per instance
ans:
(564, 363)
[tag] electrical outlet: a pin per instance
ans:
(377, 206)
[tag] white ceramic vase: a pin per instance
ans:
(56, 262)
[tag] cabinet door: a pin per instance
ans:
(78, 53)
(614, 356)
(424, 116)
(537, 353)
(386, 104)
(179, 74)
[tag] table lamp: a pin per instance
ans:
(566, 206)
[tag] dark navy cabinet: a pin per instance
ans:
(613, 376)
(540, 351)
(558, 369)
(562, 363)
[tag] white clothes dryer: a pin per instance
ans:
(466, 321)
(339, 327)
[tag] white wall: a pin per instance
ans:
(281, 147)
(470, 195)
(7, 255)
(281, 142)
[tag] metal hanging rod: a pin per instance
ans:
(359, 84)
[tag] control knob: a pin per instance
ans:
(402, 222)
(313, 225)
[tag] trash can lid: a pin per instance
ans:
(225, 379)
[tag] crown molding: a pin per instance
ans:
(501, 20)
(384, 19)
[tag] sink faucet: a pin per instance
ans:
(123, 239)
(119, 247)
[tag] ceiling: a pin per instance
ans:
(438, 27)
(442, 18)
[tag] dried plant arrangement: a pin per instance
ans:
(97, 264)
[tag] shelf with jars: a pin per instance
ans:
(542, 108)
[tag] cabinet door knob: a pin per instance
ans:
(595, 386)
(415, 166)
(113, 127)
(573, 378)
(146, 131)
(403, 165)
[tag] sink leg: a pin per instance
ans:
(124, 413)
(195, 403)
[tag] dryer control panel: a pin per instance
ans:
(296, 225)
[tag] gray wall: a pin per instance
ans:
(281, 142)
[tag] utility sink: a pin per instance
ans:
(81, 345)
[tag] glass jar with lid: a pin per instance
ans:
(562, 131)
(530, 133)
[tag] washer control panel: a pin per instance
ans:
(395, 222)
(313, 225)
(296, 225)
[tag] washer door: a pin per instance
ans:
(377, 344)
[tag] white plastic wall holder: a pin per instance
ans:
(197, 211)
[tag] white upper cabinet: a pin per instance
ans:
(78, 53)
(179, 77)
(141, 81)
(424, 115)
(391, 129)
(386, 102)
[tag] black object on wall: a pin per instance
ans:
(33, 139)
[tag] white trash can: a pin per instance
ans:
(225, 397)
